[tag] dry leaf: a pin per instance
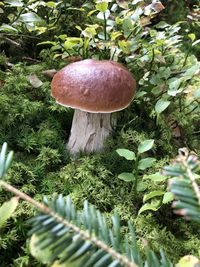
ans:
(123, 3)
(49, 73)
(157, 6)
(73, 59)
(2, 83)
(175, 128)
(34, 81)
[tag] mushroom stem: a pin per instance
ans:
(89, 131)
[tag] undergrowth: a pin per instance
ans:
(37, 129)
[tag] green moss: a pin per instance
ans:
(36, 128)
(173, 235)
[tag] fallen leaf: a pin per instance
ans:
(34, 81)
(73, 59)
(157, 6)
(175, 128)
(2, 83)
(123, 3)
(49, 73)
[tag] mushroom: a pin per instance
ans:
(94, 89)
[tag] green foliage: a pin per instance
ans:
(26, 23)
(140, 164)
(109, 32)
(166, 109)
(7, 209)
(60, 225)
(156, 197)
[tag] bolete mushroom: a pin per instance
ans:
(94, 89)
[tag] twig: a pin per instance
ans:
(12, 42)
(31, 59)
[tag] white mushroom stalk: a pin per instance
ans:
(89, 131)
(94, 89)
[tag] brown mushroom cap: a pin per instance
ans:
(94, 86)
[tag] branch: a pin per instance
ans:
(44, 209)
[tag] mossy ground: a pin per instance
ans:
(36, 128)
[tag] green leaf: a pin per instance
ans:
(191, 71)
(127, 26)
(141, 186)
(145, 146)
(168, 197)
(14, 3)
(7, 209)
(188, 261)
(7, 28)
(102, 15)
(146, 207)
(89, 32)
(30, 17)
(161, 105)
(162, 25)
(115, 35)
(196, 42)
(146, 163)
(140, 94)
(125, 46)
(174, 85)
(47, 43)
(137, 13)
(40, 29)
(156, 177)
(51, 4)
(91, 12)
(153, 194)
(192, 36)
(72, 42)
(127, 154)
(126, 176)
(103, 6)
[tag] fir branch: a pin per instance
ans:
(83, 234)
(70, 235)
(190, 174)
(184, 185)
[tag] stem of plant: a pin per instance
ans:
(180, 104)
(152, 60)
(187, 55)
(104, 27)
(134, 186)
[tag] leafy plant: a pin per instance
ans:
(156, 198)
(166, 108)
(111, 31)
(25, 23)
(140, 164)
